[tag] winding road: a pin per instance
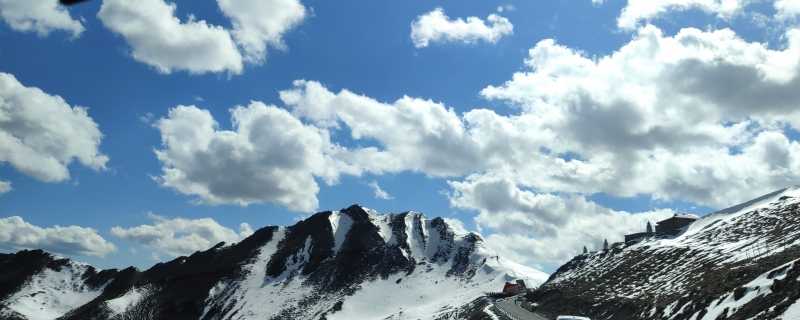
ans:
(510, 307)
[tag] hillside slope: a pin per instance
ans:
(737, 263)
(348, 264)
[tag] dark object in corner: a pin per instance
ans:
(71, 2)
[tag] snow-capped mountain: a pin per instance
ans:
(348, 264)
(737, 263)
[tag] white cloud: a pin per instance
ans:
(413, 134)
(161, 40)
(180, 236)
(698, 117)
(436, 26)
(666, 116)
(506, 8)
(583, 127)
(257, 23)
(542, 230)
(269, 156)
(787, 9)
(39, 16)
(17, 234)
(41, 134)
(5, 186)
(456, 225)
(638, 11)
(379, 192)
(147, 118)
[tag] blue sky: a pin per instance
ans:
(361, 46)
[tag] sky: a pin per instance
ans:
(134, 132)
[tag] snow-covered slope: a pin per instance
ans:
(45, 287)
(382, 266)
(737, 263)
(349, 264)
(52, 293)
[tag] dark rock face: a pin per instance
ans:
(182, 284)
(740, 263)
(363, 255)
(318, 230)
(207, 284)
(19, 267)
(461, 260)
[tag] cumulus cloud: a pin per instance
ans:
(41, 134)
(379, 192)
(623, 146)
(412, 134)
(436, 26)
(638, 11)
(17, 234)
(160, 39)
(41, 17)
(180, 236)
(787, 9)
(542, 230)
(5, 186)
(269, 156)
(506, 8)
(258, 23)
(666, 116)
(699, 116)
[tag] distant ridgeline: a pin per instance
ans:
(739, 263)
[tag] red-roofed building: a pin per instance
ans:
(514, 288)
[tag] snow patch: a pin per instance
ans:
(488, 310)
(793, 312)
(383, 222)
(256, 296)
(760, 286)
(416, 296)
(126, 301)
(51, 294)
(513, 270)
(340, 224)
(415, 237)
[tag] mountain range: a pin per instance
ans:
(349, 264)
(742, 262)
